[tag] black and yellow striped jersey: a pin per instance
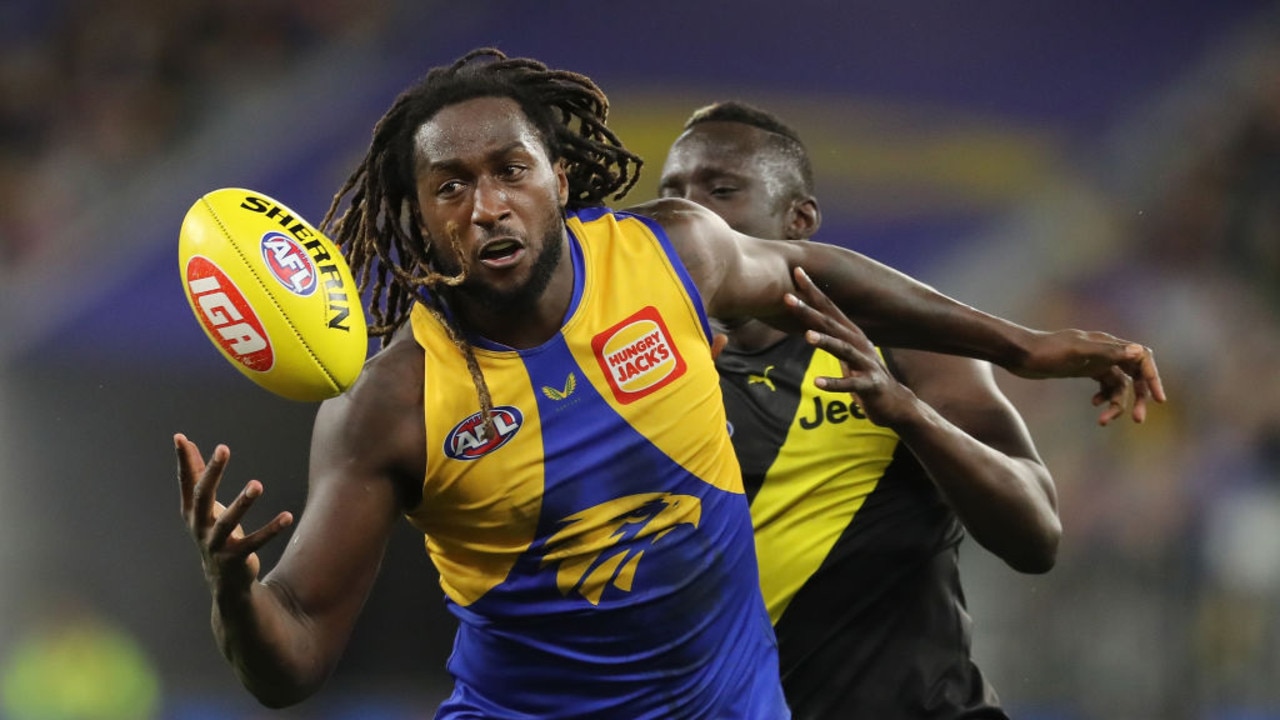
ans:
(858, 551)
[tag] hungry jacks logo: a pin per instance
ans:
(638, 356)
(603, 545)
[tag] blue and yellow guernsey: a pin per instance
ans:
(596, 545)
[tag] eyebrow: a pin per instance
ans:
(450, 164)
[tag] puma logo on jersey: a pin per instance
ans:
(570, 383)
(603, 545)
(762, 379)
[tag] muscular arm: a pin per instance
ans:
(740, 276)
(976, 448)
(965, 433)
(283, 635)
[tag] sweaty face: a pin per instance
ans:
(484, 177)
(728, 168)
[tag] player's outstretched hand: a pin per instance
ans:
(229, 555)
(1125, 371)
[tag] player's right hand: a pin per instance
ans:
(228, 554)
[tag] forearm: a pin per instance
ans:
(270, 646)
(896, 310)
(1006, 503)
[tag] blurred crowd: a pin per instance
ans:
(92, 93)
(1166, 599)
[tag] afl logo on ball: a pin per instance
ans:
(469, 440)
(289, 262)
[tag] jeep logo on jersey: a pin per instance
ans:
(468, 439)
(227, 317)
(638, 355)
(289, 262)
(602, 545)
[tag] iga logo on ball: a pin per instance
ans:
(273, 294)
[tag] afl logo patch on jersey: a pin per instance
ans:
(469, 440)
(289, 262)
(638, 356)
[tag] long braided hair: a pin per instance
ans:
(381, 230)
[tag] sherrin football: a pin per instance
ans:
(273, 294)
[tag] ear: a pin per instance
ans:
(804, 217)
(562, 180)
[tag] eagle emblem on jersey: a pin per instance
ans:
(603, 545)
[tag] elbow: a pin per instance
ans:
(1037, 553)
(281, 686)
(278, 696)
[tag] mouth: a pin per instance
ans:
(501, 253)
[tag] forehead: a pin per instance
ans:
(717, 145)
(473, 128)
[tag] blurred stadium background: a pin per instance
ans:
(1091, 164)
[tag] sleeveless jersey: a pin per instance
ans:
(596, 545)
(858, 551)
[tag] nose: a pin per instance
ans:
(490, 204)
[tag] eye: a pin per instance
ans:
(449, 188)
(723, 191)
(513, 171)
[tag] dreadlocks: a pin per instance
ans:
(381, 231)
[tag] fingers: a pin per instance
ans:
(255, 540)
(204, 489)
(228, 535)
(812, 305)
(817, 312)
(718, 341)
(1147, 376)
(1119, 392)
(228, 518)
(189, 465)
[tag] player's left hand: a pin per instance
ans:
(1125, 371)
(883, 399)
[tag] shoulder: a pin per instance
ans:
(378, 424)
(704, 242)
(690, 226)
(392, 379)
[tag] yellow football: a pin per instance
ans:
(273, 294)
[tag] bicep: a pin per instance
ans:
(965, 392)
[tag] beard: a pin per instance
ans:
(495, 299)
